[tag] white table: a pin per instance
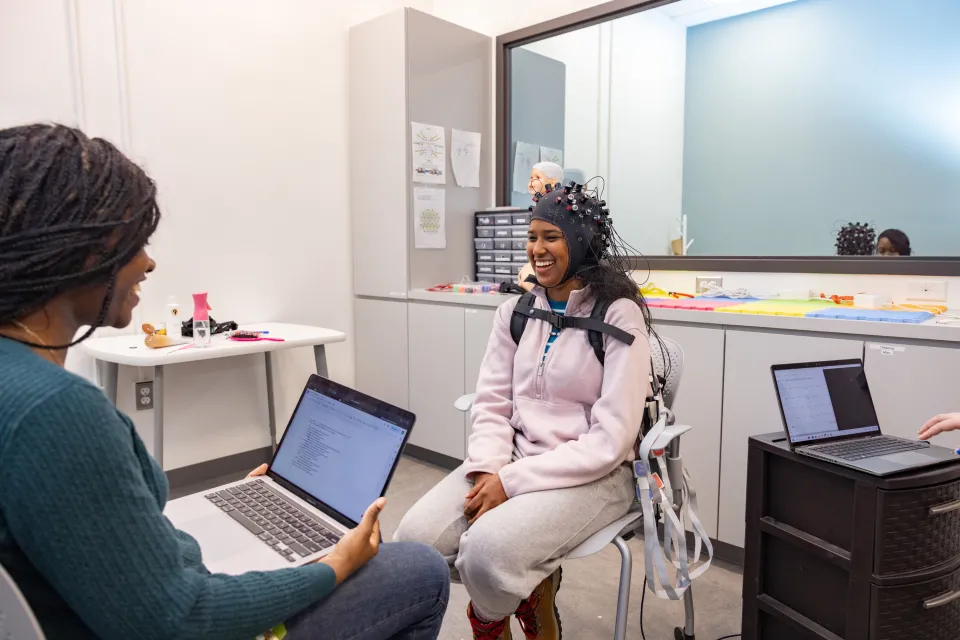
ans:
(130, 350)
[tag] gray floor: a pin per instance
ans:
(587, 599)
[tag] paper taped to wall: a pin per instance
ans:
(429, 213)
(523, 161)
(551, 155)
(465, 157)
(429, 153)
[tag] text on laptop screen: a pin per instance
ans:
(826, 402)
(337, 453)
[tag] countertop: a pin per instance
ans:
(926, 331)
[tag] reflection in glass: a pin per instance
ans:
(768, 124)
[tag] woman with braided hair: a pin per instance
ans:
(82, 530)
(558, 408)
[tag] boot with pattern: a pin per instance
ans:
(483, 630)
(538, 614)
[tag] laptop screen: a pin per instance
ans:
(825, 400)
(341, 447)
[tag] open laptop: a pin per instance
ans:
(336, 458)
(828, 413)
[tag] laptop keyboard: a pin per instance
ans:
(277, 522)
(867, 447)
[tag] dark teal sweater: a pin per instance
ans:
(82, 530)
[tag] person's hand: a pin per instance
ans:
(487, 494)
(940, 424)
(358, 545)
(259, 471)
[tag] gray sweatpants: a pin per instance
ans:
(512, 548)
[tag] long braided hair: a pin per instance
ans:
(73, 212)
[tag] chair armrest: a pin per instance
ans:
(464, 403)
(669, 433)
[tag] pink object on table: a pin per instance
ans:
(255, 339)
(691, 304)
(201, 309)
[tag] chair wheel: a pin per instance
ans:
(678, 634)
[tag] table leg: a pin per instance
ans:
(271, 413)
(107, 373)
(320, 355)
(158, 414)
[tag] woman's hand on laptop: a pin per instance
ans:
(259, 471)
(358, 545)
(940, 424)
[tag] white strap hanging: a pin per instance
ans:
(654, 489)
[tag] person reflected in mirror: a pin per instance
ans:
(893, 242)
(856, 239)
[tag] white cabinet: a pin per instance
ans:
(380, 346)
(411, 66)
(750, 405)
(912, 383)
(477, 325)
(699, 404)
(436, 360)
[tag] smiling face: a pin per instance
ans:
(126, 290)
(548, 252)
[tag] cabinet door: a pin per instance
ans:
(477, 325)
(380, 345)
(750, 405)
(436, 377)
(911, 384)
(699, 404)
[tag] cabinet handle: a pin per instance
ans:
(939, 601)
(941, 509)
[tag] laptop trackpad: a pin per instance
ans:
(219, 537)
(907, 458)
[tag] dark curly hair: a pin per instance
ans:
(898, 239)
(73, 211)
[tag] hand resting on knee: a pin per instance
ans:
(487, 494)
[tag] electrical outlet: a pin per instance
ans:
(703, 281)
(929, 290)
(143, 396)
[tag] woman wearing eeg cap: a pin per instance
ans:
(553, 426)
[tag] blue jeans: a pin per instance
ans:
(402, 594)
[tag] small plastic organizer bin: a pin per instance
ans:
(500, 244)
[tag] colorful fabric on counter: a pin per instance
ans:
(691, 304)
(795, 308)
(873, 315)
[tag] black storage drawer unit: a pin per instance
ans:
(835, 554)
(928, 610)
(917, 529)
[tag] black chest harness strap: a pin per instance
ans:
(594, 325)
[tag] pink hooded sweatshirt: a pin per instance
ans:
(570, 421)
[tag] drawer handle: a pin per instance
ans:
(941, 509)
(939, 601)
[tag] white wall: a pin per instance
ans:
(580, 52)
(239, 110)
(648, 53)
